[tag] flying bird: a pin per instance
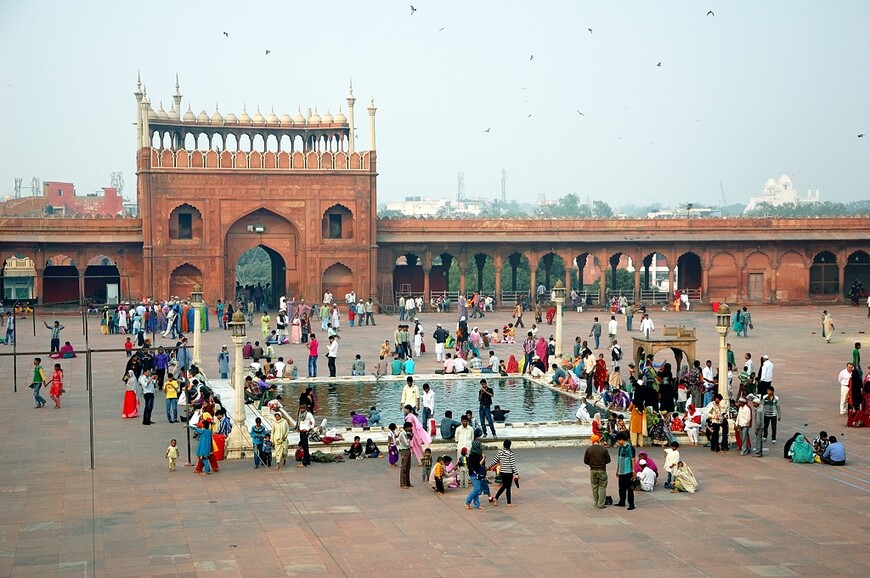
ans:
(659, 64)
(227, 34)
(413, 9)
(580, 113)
(442, 28)
(590, 30)
(268, 52)
(860, 135)
(487, 130)
(711, 13)
(532, 57)
(530, 116)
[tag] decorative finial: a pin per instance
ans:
(351, 87)
(176, 82)
(216, 107)
(139, 81)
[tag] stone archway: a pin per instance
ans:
(261, 276)
(61, 281)
(279, 237)
(182, 280)
(338, 279)
(102, 280)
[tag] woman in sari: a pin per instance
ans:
(542, 350)
(56, 385)
(684, 479)
(737, 323)
(551, 314)
(600, 375)
(802, 451)
(131, 401)
(296, 330)
(421, 436)
(66, 352)
(512, 365)
(204, 449)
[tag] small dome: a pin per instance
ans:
(244, 118)
(327, 117)
(258, 117)
(172, 113)
(216, 116)
(160, 112)
(285, 119)
(202, 116)
(272, 118)
(188, 116)
(784, 179)
(314, 118)
(340, 118)
(298, 119)
(151, 113)
(230, 117)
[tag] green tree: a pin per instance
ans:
(601, 210)
(624, 281)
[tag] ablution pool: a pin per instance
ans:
(526, 400)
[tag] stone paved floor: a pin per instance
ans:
(130, 517)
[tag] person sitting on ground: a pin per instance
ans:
(409, 366)
(358, 420)
(372, 450)
(821, 443)
(560, 377)
(583, 413)
(786, 449)
(358, 367)
(396, 365)
(499, 414)
(356, 450)
(835, 454)
(290, 370)
(684, 479)
(66, 352)
(802, 451)
(269, 395)
(539, 370)
(646, 476)
(476, 364)
(459, 365)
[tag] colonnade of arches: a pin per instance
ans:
(61, 279)
(326, 140)
(715, 275)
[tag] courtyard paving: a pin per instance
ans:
(131, 517)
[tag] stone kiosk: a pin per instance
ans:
(681, 340)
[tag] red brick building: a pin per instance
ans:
(60, 199)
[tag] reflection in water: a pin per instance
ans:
(528, 402)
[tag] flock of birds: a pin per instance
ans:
(710, 13)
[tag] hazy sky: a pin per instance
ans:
(761, 89)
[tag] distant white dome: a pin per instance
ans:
(327, 118)
(285, 119)
(230, 117)
(244, 118)
(151, 113)
(299, 119)
(189, 116)
(272, 118)
(785, 179)
(216, 116)
(258, 117)
(202, 117)
(314, 118)
(160, 112)
(340, 118)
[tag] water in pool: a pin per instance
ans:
(527, 402)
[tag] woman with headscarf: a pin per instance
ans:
(512, 365)
(597, 425)
(642, 455)
(421, 436)
(600, 377)
(692, 421)
(204, 448)
(802, 451)
(542, 351)
(684, 479)
(667, 389)
(296, 330)
(131, 400)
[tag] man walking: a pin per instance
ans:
(305, 425)
(758, 419)
(10, 327)
(55, 335)
(647, 326)
(38, 382)
(595, 332)
(625, 473)
(629, 316)
(597, 457)
(148, 384)
(518, 314)
(612, 326)
(744, 425)
(528, 351)
(428, 405)
(484, 398)
(370, 312)
(765, 374)
(440, 336)
(312, 355)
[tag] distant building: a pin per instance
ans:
(60, 199)
(780, 192)
(685, 213)
(424, 207)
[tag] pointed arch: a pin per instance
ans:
(337, 278)
(182, 279)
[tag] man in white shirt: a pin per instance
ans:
(327, 298)
(612, 326)
(410, 395)
(428, 405)
(410, 305)
(646, 476)
(492, 364)
(765, 373)
(279, 367)
(449, 367)
(744, 425)
(306, 424)
(845, 378)
(749, 364)
(332, 354)
(647, 326)
(459, 365)
(464, 436)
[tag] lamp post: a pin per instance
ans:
(558, 297)
(197, 320)
(723, 323)
(239, 441)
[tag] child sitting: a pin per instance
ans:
(677, 424)
(356, 450)
(495, 336)
(821, 443)
(358, 420)
(266, 451)
(372, 450)
(620, 423)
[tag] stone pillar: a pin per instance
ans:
(741, 282)
(533, 272)
(498, 264)
(81, 287)
(568, 271)
(463, 267)
(38, 285)
(636, 282)
(670, 282)
(426, 298)
(705, 281)
(841, 279)
(603, 263)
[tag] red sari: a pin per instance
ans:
(131, 401)
(600, 376)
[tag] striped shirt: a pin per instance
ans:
(507, 462)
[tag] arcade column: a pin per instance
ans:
(498, 264)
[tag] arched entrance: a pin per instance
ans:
(408, 276)
(824, 274)
(60, 281)
(275, 236)
(182, 280)
(260, 275)
(17, 279)
(338, 279)
(102, 281)
(857, 273)
(688, 274)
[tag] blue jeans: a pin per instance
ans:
(474, 494)
(172, 409)
(708, 397)
(426, 415)
(485, 414)
(36, 397)
(257, 449)
(628, 320)
(597, 340)
(312, 366)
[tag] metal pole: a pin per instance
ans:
(90, 388)
(14, 354)
(187, 429)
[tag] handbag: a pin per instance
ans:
(182, 399)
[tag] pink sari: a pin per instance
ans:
(421, 437)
